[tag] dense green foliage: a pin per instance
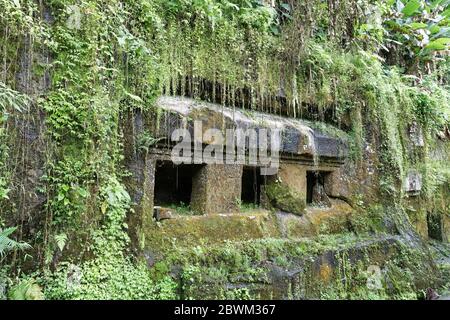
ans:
(109, 275)
(324, 60)
(7, 244)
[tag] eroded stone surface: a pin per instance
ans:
(311, 270)
(316, 221)
(160, 213)
(416, 135)
(413, 182)
(216, 189)
(209, 229)
(297, 137)
(287, 192)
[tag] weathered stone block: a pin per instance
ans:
(330, 147)
(288, 191)
(140, 186)
(413, 182)
(317, 272)
(216, 189)
(160, 213)
(337, 184)
(190, 231)
(295, 142)
(417, 216)
(297, 137)
(316, 221)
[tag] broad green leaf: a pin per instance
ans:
(443, 33)
(83, 192)
(61, 240)
(7, 244)
(439, 44)
(26, 290)
(418, 25)
(435, 3)
(446, 13)
(411, 7)
(434, 29)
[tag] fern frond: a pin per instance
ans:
(7, 244)
(10, 98)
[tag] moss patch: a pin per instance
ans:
(328, 267)
(284, 198)
(186, 231)
(317, 221)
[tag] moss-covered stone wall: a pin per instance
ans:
(217, 189)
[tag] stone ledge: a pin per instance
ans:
(212, 228)
(306, 268)
(237, 226)
(298, 137)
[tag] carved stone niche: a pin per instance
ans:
(413, 183)
(416, 135)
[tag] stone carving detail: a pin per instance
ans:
(413, 182)
(319, 196)
(216, 188)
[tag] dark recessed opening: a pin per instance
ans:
(315, 186)
(251, 185)
(434, 221)
(173, 184)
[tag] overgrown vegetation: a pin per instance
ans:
(371, 68)
(248, 270)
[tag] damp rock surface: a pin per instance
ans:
(338, 267)
(297, 136)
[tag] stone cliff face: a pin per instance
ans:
(27, 137)
(285, 211)
(345, 207)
